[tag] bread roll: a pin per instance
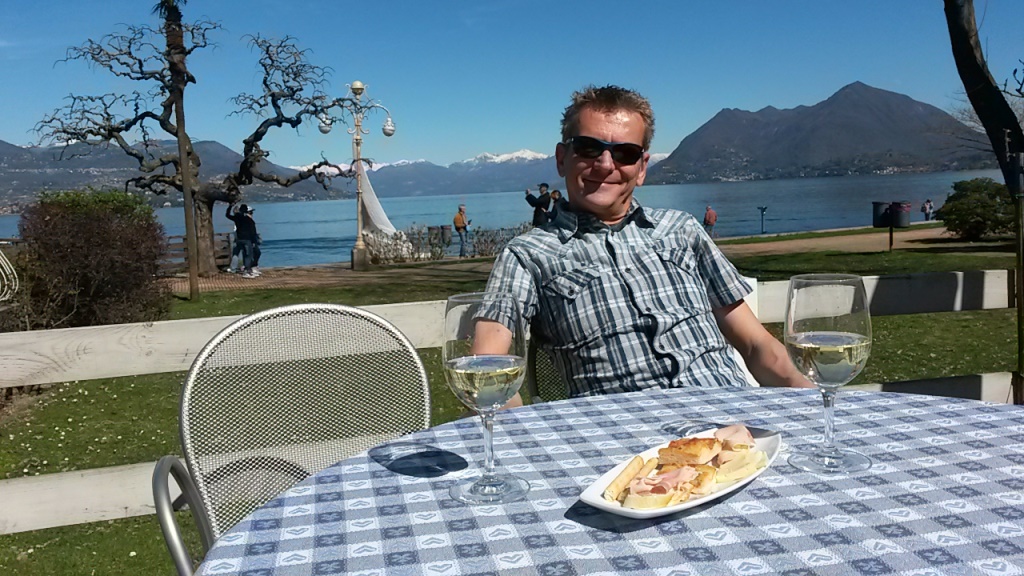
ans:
(690, 451)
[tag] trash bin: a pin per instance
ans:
(446, 234)
(900, 214)
(880, 215)
(434, 234)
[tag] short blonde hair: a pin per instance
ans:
(608, 98)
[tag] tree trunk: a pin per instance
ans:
(1004, 133)
(205, 237)
(1000, 124)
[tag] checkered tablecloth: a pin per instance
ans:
(945, 496)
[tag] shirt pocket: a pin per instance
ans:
(682, 273)
(572, 300)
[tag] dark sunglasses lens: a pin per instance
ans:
(587, 147)
(627, 153)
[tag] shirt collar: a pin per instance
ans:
(571, 223)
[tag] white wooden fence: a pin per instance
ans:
(55, 356)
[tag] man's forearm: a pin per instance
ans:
(771, 366)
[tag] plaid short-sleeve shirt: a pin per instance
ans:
(627, 307)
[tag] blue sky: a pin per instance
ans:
(462, 78)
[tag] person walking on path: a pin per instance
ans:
(461, 225)
(928, 208)
(245, 235)
(710, 218)
(540, 204)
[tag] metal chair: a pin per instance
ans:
(8, 278)
(280, 395)
(545, 384)
(543, 381)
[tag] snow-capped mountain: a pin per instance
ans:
(488, 158)
(655, 158)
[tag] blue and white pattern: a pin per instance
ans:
(628, 307)
(945, 496)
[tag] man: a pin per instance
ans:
(462, 228)
(710, 217)
(540, 204)
(627, 298)
(245, 236)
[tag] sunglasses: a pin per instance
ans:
(591, 148)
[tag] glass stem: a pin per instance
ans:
(828, 395)
(487, 418)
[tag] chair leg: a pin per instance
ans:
(172, 467)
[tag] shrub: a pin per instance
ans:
(487, 242)
(978, 208)
(88, 258)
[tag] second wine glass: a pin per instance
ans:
(828, 336)
(484, 356)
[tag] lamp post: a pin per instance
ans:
(358, 105)
(762, 209)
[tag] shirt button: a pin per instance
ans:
(629, 270)
(648, 309)
(572, 291)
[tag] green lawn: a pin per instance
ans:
(83, 425)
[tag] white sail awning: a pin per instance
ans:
(374, 218)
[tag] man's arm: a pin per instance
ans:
(766, 357)
(490, 337)
(228, 213)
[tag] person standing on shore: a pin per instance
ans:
(928, 208)
(540, 204)
(557, 203)
(710, 218)
(461, 225)
(245, 235)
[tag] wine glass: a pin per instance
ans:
(828, 336)
(484, 358)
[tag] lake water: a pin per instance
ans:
(304, 233)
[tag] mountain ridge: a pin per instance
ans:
(859, 129)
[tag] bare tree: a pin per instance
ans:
(995, 115)
(293, 92)
(1005, 135)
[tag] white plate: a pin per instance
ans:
(767, 441)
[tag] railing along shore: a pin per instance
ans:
(88, 353)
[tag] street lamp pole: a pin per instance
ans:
(360, 261)
(358, 106)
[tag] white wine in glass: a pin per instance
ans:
(484, 357)
(828, 336)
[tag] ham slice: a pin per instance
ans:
(662, 483)
(735, 437)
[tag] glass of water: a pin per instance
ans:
(484, 357)
(828, 337)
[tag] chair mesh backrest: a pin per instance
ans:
(287, 392)
(543, 380)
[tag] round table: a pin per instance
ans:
(945, 496)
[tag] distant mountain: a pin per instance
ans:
(26, 171)
(858, 130)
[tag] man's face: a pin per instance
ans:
(601, 186)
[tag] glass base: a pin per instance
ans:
(839, 461)
(496, 489)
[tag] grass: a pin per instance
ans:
(83, 425)
(425, 287)
(780, 267)
(818, 234)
